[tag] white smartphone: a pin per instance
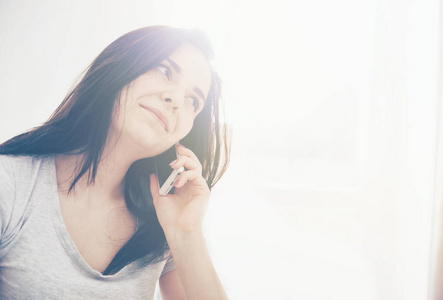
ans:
(166, 178)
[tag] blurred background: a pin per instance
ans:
(335, 185)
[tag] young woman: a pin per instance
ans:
(80, 212)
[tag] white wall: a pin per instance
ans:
(334, 106)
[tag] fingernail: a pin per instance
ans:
(176, 182)
(180, 145)
(173, 162)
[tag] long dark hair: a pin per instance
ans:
(81, 123)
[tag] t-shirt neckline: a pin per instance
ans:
(65, 238)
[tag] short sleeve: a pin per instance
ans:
(170, 264)
(7, 198)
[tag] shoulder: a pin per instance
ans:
(18, 178)
(16, 172)
(7, 196)
(17, 162)
(13, 163)
(21, 173)
(5, 163)
(6, 176)
(22, 169)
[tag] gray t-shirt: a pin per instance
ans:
(38, 259)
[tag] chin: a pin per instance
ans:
(151, 149)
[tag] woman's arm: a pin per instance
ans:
(181, 217)
(171, 287)
(194, 266)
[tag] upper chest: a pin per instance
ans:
(98, 233)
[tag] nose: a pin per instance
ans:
(174, 99)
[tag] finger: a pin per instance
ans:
(188, 163)
(190, 176)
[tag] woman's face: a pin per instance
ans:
(159, 107)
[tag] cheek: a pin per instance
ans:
(126, 120)
(185, 127)
(116, 119)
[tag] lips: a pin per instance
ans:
(160, 117)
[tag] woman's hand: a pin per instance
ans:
(183, 211)
(181, 217)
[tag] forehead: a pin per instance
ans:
(195, 68)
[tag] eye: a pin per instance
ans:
(165, 70)
(194, 101)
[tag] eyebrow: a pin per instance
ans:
(200, 93)
(178, 70)
(174, 65)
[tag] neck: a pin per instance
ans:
(118, 156)
(109, 180)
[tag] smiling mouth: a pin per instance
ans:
(159, 116)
